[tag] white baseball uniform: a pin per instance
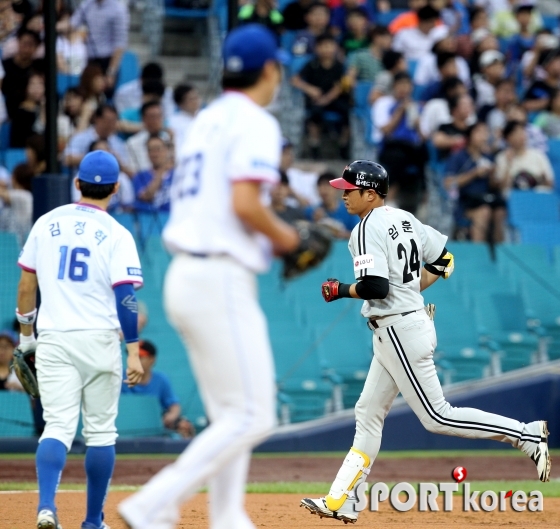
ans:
(393, 244)
(79, 254)
(211, 298)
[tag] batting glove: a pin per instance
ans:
(450, 266)
(329, 289)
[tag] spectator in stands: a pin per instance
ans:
(530, 66)
(295, 14)
(123, 200)
(414, 43)
(492, 71)
(402, 151)
(302, 184)
(152, 120)
(427, 70)
(317, 22)
(535, 136)
(152, 185)
(16, 210)
(453, 14)
(332, 208)
(131, 95)
(408, 19)
(104, 126)
(280, 196)
(436, 111)
(71, 49)
(539, 93)
(393, 63)
(470, 171)
(187, 100)
(520, 167)
(33, 22)
(321, 82)
(71, 109)
(549, 120)
(366, 65)
(355, 37)
(8, 379)
(523, 40)
(36, 154)
(157, 384)
(9, 21)
(107, 23)
(495, 115)
(130, 120)
(447, 69)
(29, 118)
(478, 19)
(451, 137)
(340, 13)
(483, 41)
(507, 22)
(262, 12)
(92, 86)
(18, 69)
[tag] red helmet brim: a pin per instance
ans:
(340, 183)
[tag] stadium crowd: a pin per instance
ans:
(468, 88)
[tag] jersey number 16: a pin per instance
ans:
(78, 270)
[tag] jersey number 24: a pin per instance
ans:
(412, 265)
(78, 270)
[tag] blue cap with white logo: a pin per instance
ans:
(99, 167)
(247, 48)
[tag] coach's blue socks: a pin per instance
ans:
(100, 461)
(49, 460)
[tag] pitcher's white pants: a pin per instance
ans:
(213, 304)
(79, 368)
(403, 361)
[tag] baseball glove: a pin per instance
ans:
(314, 246)
(24, 367)
(430, 309)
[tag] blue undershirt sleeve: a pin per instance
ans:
(127, 311)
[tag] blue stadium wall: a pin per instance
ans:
(536, 398)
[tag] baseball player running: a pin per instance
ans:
(222, 234)
(388, 247)
(86, 266)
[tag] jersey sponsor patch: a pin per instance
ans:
(361, 262)
(134, 271)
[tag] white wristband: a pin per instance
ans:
(27, 339)
(26, 319)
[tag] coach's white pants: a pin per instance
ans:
(403, 361)
(79, 368)
(213, 304)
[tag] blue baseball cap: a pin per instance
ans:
(248, 47)
(99, 167)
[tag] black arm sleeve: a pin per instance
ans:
(438, 267)
(372, 287)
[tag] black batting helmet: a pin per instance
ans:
(363, 174)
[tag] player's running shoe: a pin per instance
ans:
(319, 507)
(86, 525)
(541, 457)
(47, 519)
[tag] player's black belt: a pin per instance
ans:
(372, 322)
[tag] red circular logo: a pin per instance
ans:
(459, 474)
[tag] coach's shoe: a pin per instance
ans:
(541, 457)
(319, 507)
(47, 519)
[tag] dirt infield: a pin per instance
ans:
(138, 471)
(281, 510)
